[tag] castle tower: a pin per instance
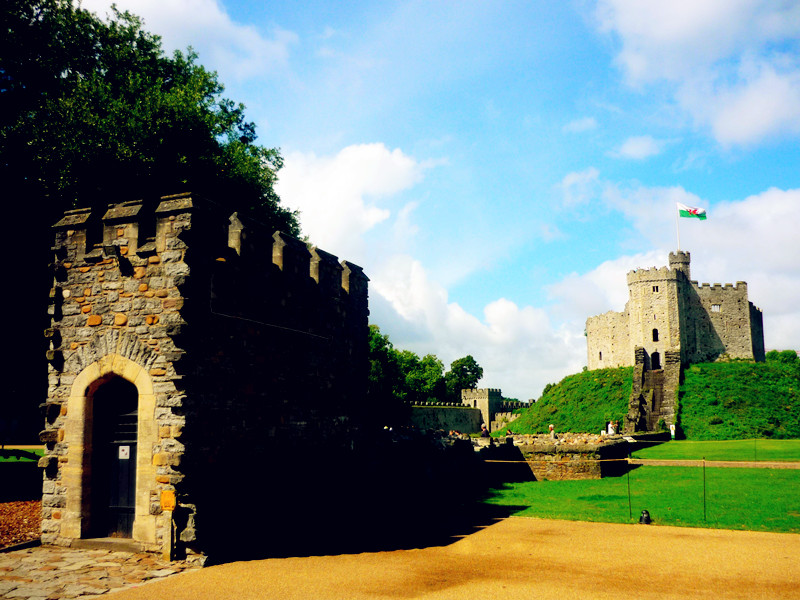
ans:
(670, 321)
(679, 261)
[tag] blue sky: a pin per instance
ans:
(497, 167)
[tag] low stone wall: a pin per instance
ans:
(447, 418)
(573, 456)
(501, 419)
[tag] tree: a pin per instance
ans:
(464, 373)
(424, 381)
(93, 110)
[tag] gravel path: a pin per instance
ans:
(520, 558)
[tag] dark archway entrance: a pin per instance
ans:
(113, 478)
(655, 361)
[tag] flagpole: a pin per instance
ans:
(677, 226)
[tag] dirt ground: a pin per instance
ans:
(520, 558)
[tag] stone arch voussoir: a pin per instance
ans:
(112, 342)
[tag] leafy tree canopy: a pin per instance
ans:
(464, 374)
(398, 376)
(93, 111)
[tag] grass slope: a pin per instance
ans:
(740, 400)
(581, 402)
(718, 401)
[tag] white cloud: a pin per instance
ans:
(732, 64)
(579, 187)
(600, 290)
(767, 105)
(580, 125)
(236, 50)
(339, 196)
(639, 147)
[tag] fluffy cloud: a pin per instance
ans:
(237, 51)
(353, 196)
(339, 196)
(639, 147)
(733, 64)
(579, 187)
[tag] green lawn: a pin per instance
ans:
(756, 449)
(12, 454)
(754, 499)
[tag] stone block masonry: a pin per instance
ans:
(670, 321)
(190, 352)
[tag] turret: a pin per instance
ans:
(679, 261)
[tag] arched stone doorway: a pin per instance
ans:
(95, 395)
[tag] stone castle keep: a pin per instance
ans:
(670, 321)
(171, 323)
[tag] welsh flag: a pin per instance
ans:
(689, 211)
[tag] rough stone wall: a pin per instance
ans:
(666, 312)
(241, 346)
(488, 400)
(608, 340)
(722, 322)
(558, 461)
(448, 418)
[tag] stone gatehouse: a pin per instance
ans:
(190, 353)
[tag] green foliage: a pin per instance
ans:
(741, 400)
(752, 499)
(398, 376)
(92, 110)
(740, 450)
(583, 402)
(783, 356)
(464, 373)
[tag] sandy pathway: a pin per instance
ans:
(521, 558)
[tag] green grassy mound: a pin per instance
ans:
(583, 402)
(741, 400)
(718, 401)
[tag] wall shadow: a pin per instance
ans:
(21, 479)
(398, 493)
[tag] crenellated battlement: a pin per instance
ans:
(654, 274)
(136, 232)
(740, 286)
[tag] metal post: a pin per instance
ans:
(704, 488)
(630, 510)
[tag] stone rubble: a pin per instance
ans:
(54, 573)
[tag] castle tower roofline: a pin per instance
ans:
(681, 261)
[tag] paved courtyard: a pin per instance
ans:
(52, 573)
